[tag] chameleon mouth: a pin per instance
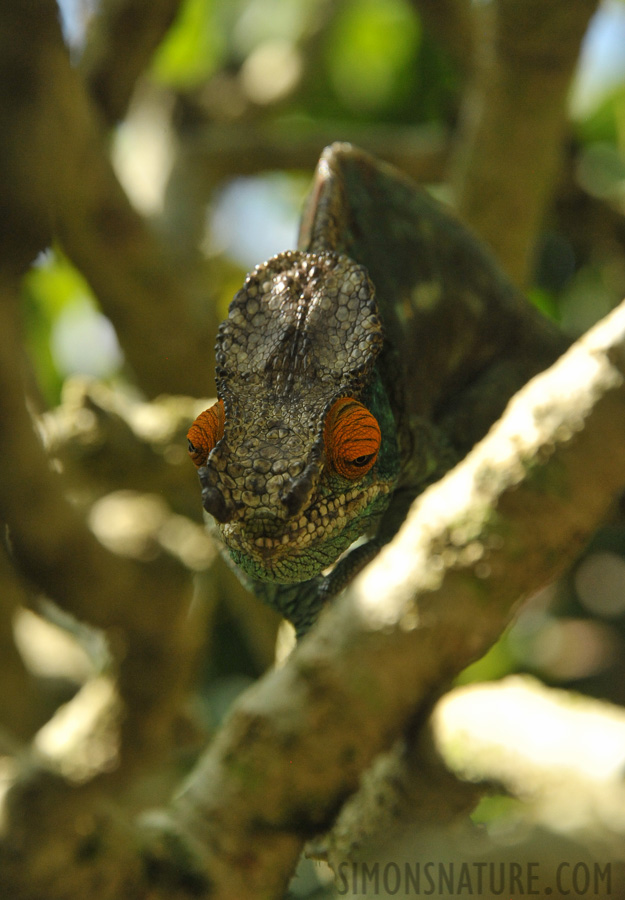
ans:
(298, 549)
(264, 541)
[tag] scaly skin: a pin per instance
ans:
(303, 332)
(307, 329)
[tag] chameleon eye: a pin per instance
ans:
(352, 438)
(207, 429)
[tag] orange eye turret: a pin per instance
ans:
(352, 438)
(205, 432)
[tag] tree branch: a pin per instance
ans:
(513, 121)
(410, 806)
(106, 442)
(121, 40)
(21, 709)
(59, 182)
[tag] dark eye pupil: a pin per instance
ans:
(192, 449)
(361, 460)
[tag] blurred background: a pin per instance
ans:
(213, 122)
(223, 130)
(217, 148)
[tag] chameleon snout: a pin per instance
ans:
(291, 499)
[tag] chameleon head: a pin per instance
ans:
(299, 454)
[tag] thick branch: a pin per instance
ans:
(512, 516)
(59, 182)
(494, 735)
(513, 121)
(122, 38)
(245, 149)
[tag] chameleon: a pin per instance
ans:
(351, 373)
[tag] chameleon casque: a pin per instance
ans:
(351, 373)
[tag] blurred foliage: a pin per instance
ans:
(65, 331)
(370, 55)
(605, 122)
(193, 48)
(373, 61)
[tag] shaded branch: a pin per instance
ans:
(122, 37)
(408, 790)
(493, 734)
(450, 23)
(513, 121)
(60, 183)
(106, 442)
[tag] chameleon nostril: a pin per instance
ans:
(297, 494)
(215, 504)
